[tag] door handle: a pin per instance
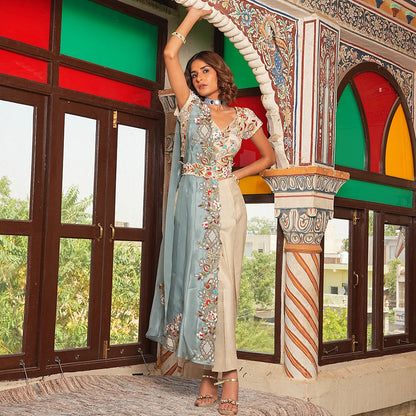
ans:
(113, 231)
(357, 279)
(100, 232)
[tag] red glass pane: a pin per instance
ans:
(103, 87)
(22, 66)
(27, 21)
(377, 96)
(248, 152)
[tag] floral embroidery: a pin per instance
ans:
(172, 333)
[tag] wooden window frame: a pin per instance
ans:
(39, 364)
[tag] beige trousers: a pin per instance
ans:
(233, 235)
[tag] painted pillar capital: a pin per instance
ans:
(304, 200)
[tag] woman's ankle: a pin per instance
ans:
(231, 374)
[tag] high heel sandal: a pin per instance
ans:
(207, 396)
(224, 401)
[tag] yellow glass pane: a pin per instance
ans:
(254, 185)
(399, 153)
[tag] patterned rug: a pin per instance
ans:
(136, 396)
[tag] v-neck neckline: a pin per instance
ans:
(228, 125)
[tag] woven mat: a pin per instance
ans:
(136, 396)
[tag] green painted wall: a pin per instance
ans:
(350, 139)
(243, 74)
(98, 34)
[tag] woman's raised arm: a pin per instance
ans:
(175, 72)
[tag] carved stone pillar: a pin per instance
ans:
(303, 204)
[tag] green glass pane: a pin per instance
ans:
(243, 74)
(372, 192)
(350, 139)
(103, 36)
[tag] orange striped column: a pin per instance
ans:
(301, 319)
(304, 199)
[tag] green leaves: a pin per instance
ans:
(257, 293)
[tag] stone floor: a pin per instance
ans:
(404, 409)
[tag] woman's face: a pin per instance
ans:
(204, 79)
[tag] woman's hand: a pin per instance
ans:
(200, 13)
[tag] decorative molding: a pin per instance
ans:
(168, 101)
(304, 199)
(368, 22)
(351, 55)
(304, 225)
(327, 94)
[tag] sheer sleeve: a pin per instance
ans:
(251, 123)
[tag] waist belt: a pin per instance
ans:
(207, 172)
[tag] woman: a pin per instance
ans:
(195, 305)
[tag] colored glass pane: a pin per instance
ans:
(23, 66)
(399, 152)
(106, 37)
(103, 87)
(378, 97)
(350, 140)
(243, 74)
(254, 185)
(373, 192)
(26, 21)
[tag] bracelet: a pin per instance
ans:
(181, 37)
(236, 179)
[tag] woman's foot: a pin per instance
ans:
(229, 399)
(208, 396)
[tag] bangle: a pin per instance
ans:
(181, 37)
(235, 178)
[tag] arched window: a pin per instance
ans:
(374, 134)
(368, 261)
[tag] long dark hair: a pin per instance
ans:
(227, 88)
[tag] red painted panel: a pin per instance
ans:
(248, 152)
(377, 96)
(27, 21)
(103, 87)
(22, 66)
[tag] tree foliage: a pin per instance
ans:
(256, 291)
(13, 259)
(334, 324)
(71, 329)
(390, 281)
(126, 290)
(261, 226)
